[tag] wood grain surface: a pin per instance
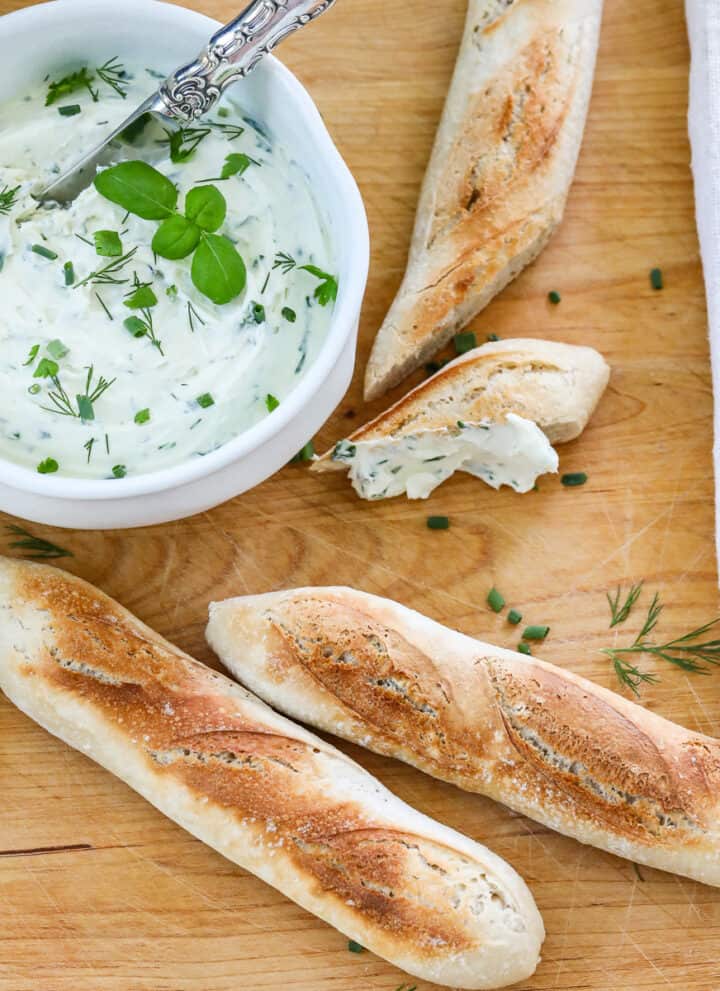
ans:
(98, 892)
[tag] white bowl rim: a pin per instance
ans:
(344, 315)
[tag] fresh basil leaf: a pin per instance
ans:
(176, 237)
(218, 271)
(236, 164)
(138, 188)
(108, 243)
(206, 206)
(142, 299)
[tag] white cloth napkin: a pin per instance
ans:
(703, 18)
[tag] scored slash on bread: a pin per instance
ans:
(551, 385)
(553, 746)
(264, 792)
(499, 175)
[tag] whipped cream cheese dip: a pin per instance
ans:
(93, 383)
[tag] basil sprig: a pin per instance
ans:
(217, 271)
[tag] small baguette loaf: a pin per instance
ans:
(574, 756)
(499, 174)
(553, 386)
(264, 792)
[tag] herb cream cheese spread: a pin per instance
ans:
(112, 361)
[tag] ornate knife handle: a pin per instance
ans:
(233, 52)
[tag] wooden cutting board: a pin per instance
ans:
(98, 892)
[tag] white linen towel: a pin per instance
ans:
(703, 18)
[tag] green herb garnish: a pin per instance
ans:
(119, 471)
(306, 453)
(48, 466)
(183, 143)
(258, 312)
(554, 297)
(465, 342)
(113, 74)
(108, 244)
(46, 369)
(193, 315)
(142, 416)
(32, 355)
(619, 612)
(495, 600)
(56, 349)
(205, 400)
(656, 278)
(324, 293)
(236, 164)
(7, 198)
(438, 523)
(492, 337)
(514, 617)
(108, 274)
(44, 252)
(74, 81)
(289, 314)
(35, 547)
(524, 648)
(354, 947)
(271, 403)
(69, 273)
(535, 632)
(70, 110)
(84, 408)
(344, 450)
(574, 478)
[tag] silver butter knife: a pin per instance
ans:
(191, 91)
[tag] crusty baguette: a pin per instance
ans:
(556, 386)
(574, 756)
(262, 791)
(499, 174)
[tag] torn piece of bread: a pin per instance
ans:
(555, 747)
(267, 794)
(493, 412)
(499, 174)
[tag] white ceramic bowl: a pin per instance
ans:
(49, 38)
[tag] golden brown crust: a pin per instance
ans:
(558, 748)
(311, 820)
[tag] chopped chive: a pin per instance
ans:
(258, 312)
(119, 471)
(85, 408)
(136, 326)
(69, 271)
(461, 425)
(493, 337)
(574, 478)
(34, 389)
(171, 291)
(524, 648)
(465, 341)
(40, 249)
(271, 402)
(554, 296)
(56, 349)
(48, 466)
(289, 314)
(514, 617)
(142, 416)
(656, 278)
(535, 632)
(205, 400)
(70, 110)
(438, 523)
(306, 453)
(495, 600)
(355, 947)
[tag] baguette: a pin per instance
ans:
(555, 747)
(493, 412)
(264, 792)
(499, 175)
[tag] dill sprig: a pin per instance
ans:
(7, 198)
(35, 547)
(327, 290)
(193, 315)
(113, 74)
(690, 652)
(85, 402)
(183, 142)
(108, 274)
(231, 131)
(284, 261)
(620, 612)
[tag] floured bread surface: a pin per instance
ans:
(553, 746)
(499, 174)
(494, 413)
(270, 796)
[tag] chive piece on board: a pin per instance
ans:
(495, 600)
(656, 278)
(514, 617)
(438, 523)
(44, 252)
(524, 648)
(465, 341)
(535, 632)
(574, 478)
(355, 947)
(554, 296)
